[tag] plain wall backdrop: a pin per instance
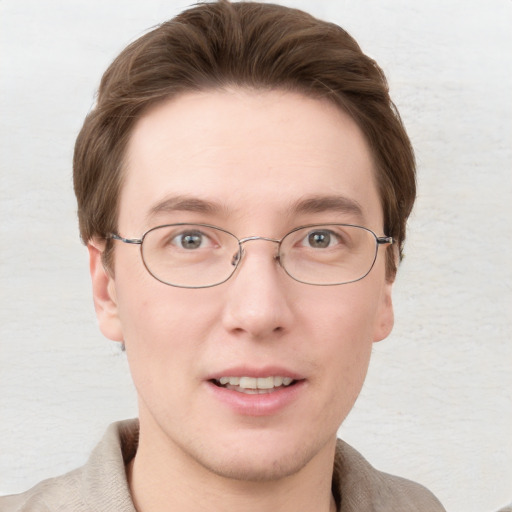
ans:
(437, 404)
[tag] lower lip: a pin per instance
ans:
(266, 404)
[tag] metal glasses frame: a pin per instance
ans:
(237, 258)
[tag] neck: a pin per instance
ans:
(164, 479)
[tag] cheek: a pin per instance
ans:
(162, 319)
(163, 335)
(344, 327)
(346, 361)
(346, 315)
(154, 315)
(166, 329)
(347, 351)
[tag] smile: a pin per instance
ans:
(254, 385)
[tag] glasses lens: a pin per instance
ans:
(328, 254)
(190, 255)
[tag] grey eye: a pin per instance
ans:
(190, 240)
(319, 239)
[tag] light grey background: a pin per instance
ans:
(437, 405)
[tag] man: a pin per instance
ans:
(243, 185)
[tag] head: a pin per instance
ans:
(264, 47)
(252, 117)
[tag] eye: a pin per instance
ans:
(191, 240)
(321, 239)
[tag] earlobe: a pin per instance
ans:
(385, 317)
(103, 289)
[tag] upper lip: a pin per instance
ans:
(245, 371)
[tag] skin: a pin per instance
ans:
(253, 154)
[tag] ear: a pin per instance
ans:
(385, 315)
(103, 289)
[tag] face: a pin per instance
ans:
(248, 162)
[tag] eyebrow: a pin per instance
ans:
(308, 205)
(186, 204)
(333, 203)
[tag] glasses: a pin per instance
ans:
(201, 256)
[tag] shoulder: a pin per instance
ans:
(361, 487)
(99, 485)
(54, 494)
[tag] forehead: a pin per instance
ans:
(243, 154)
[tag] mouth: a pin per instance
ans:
(254, 385)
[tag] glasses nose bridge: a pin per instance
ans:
(238, 257)
(242, 241)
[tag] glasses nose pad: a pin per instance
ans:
(235, 260)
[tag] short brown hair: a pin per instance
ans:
(246, 44)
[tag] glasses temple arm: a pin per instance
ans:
(385, 240)
(125, 240)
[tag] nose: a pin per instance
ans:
(258, 301)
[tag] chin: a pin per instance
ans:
(256, 468)
(262, 460)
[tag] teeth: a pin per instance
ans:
(247, 382)
(278, 381)
(265, 382)
(256, 382)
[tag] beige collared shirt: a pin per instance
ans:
(101, 485)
